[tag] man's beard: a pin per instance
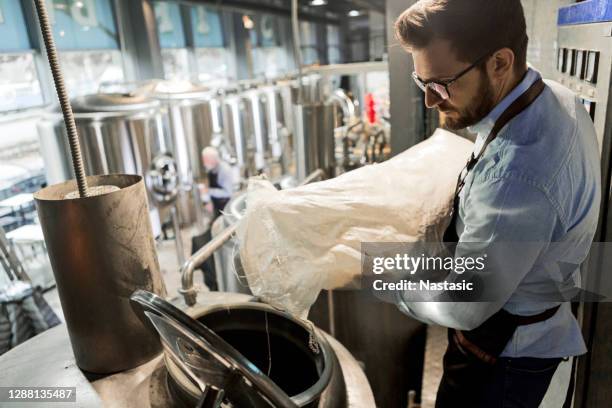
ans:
(483, 104)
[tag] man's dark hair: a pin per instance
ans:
(473, 27)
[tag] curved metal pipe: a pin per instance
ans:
(187, 269)
(340, 98)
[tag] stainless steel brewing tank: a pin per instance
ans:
(118, 133)
(255, 103)
(228, 278)
(238, 131)
(271, 339)
(193, 122)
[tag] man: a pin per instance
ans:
(534, 178)
(220, 180)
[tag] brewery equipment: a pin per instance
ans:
(314, 139)
(238, 128)
(101, 250)
(277, 124)
(101, 247)
(255, 110)
(584, 64)
(47, 357)
(246, 354)
(193, 121)
(119, 134)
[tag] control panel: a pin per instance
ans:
(584, 62)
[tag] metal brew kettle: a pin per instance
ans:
(222, 373)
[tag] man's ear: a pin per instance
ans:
(501, 63)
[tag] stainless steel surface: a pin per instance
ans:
(178, 238)
(47, 360)
(314, 138)
(118, 133)
(187, 288)
(62, 94)
(346, 105)
(102, 249)
(354, 68)
(228, 278)
(191, 123)
(590, 37)
(238, 129)
(288, 144)
(247, 326)
(593, 373)
(188, 268)
(114, 139)
(112, 102)
(256, 110)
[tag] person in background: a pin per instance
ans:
(218, 193)
(220, 180)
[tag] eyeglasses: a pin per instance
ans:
(440, 88)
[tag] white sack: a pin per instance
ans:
(295, 242)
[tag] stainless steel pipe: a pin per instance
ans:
(187, 289)
(101, 250)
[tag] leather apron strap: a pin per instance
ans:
(518, 106)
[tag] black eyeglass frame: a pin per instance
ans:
(445, 84)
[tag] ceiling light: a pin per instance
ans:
(318, 2)
(354, 13)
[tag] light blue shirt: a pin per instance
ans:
(225, 179)
(537, 182)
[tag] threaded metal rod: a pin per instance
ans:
(62, 94)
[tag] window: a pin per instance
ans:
(214, 61)
(19, 84)
(308, 36)
(270, 59)
(85, 33)
(171, 32)
(334, 51)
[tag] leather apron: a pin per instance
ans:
(471, 355)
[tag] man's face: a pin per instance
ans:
(209, 161)
(472, 96)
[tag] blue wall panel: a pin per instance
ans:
(590, 11)
(207, 28)
(169, 25)
(84, 24)
(13, 32)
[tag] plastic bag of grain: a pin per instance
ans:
(295, 242)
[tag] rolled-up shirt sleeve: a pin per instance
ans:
(512, 221)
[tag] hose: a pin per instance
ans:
(62, 94)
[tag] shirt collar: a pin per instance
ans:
(484, 127)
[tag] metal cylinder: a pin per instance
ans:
(101, 250)
(314, 136)
(118, 134)
(238, 128)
